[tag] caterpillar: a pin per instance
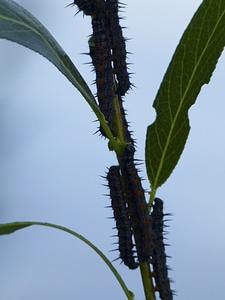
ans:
(137, 205)
(159, 256)
(122, 218)
(90, 7)
(118, 44)
(100, 53)
(107, 49)
(109, 12)
(125, 126)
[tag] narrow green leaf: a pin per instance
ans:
(11, 227)
(20, 26)
(191, 67)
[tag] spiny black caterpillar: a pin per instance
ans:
(122, 218)
(137, 205)
(159, 255)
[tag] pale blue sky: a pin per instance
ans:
(52, 163)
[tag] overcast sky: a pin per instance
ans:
(52, 163)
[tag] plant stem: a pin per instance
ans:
(151, 199)
(117, 118)
(11, 227)
(147, 281)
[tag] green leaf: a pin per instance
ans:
(20, 26)
(11, 227)
(191, 67)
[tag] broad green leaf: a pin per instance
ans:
(12, 227)
(20, 26)
(191, 67)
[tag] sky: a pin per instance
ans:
(52, 163)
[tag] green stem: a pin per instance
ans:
(128, 293)
(11, 227)
(151, 199)
(147, 281)
(118, 120)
